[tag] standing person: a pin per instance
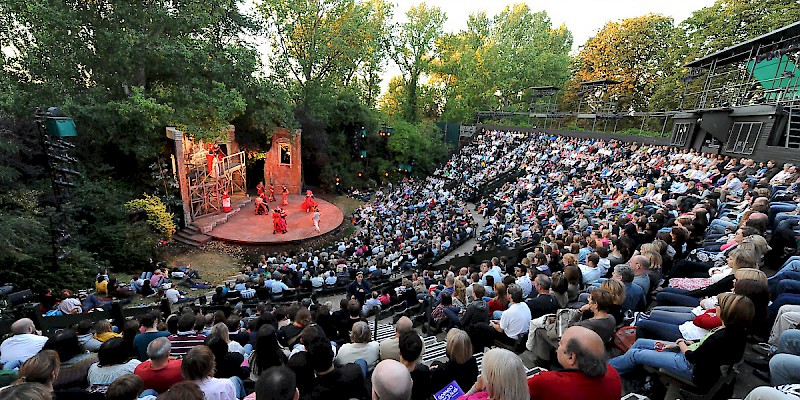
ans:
(284, 196)
(359, 288)
(278, 221)
(271, 192)
(315, 218)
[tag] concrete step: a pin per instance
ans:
(191, 237)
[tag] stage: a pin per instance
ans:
(248, 228)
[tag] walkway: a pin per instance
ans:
(467, 246)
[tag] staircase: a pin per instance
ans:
(792, 138)
(191, 236)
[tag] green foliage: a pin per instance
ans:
(422, 143)
(161, 220)
(413, 45)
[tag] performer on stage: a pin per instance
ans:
(260, 188)
(285, 196)
(309, 204)
(315, 218)
(278, 221)
(271, 192)
(261, 206)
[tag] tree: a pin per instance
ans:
(320, 43)
(493, 62)
(728, 22)
(638, 52)
(413, 49)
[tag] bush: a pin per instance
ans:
(161, 220)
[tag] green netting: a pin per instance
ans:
(779, 77)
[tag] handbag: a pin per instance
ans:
(555, 327)
(624, 338)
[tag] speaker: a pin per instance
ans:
(717, 124)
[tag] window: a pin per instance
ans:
(743, 137)
(285, 153)
(681, 133)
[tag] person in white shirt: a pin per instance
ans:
(25, 343)
(198, 366)
(172, 294)
(515, 320)
(524, 282)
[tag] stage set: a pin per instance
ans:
(216, 204)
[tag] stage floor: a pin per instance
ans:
(248, 228)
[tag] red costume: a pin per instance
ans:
(278, 221)
(261, 206)
(309, 204)
(285, 197)
(226, 202)
(271, 193)
(260, 188)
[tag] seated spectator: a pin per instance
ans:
(43, 368)
(391, 381)
(222, 331)
(73, 369)
(461, 365)
(600, 300)
(185, 338)
(410, 351)
(112, 362)
(186, 390)
(290, 334)
(198, 366)
(150, 324)
(359, 348)
(372, 304)
(502, 378)
(103, 331)
(86, 337)
(698, 361)
(389, 349)
(26, 391)
(267, 352)
(513, 323)
(586, 375)
(542, 301)
(159, 372)
(228, 364)
(128, 387)
(634, 295)
(276, 383)
(335, 383)
(24, 344)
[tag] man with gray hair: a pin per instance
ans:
(391, 381)
(25, 343)
(159, 373)
(542, 302)
(586, 373)
(640, 265)
(634, 295)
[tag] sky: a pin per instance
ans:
(582, 17)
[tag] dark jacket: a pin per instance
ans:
(542, 304)
(477, 311)
(723, 347)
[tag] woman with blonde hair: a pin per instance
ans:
(461, 366)
(503, 378)
(223, 332)
(459, 293)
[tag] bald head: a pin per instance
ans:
(640, 264)
(22, 325)
(403, 325)
(391, 381)
(582, 349)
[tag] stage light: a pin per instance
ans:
(386, 173)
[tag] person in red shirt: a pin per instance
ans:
(586, 373)
(159, 373)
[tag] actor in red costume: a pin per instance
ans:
(285, 196)
(309, 204)
(278, 221)
(271, 192)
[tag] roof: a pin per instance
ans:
(545, 88)
(600, 82)
(738, 52)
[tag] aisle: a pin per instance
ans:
(467, 246)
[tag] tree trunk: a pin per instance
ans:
(411, 101)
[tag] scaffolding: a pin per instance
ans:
(207, 187)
